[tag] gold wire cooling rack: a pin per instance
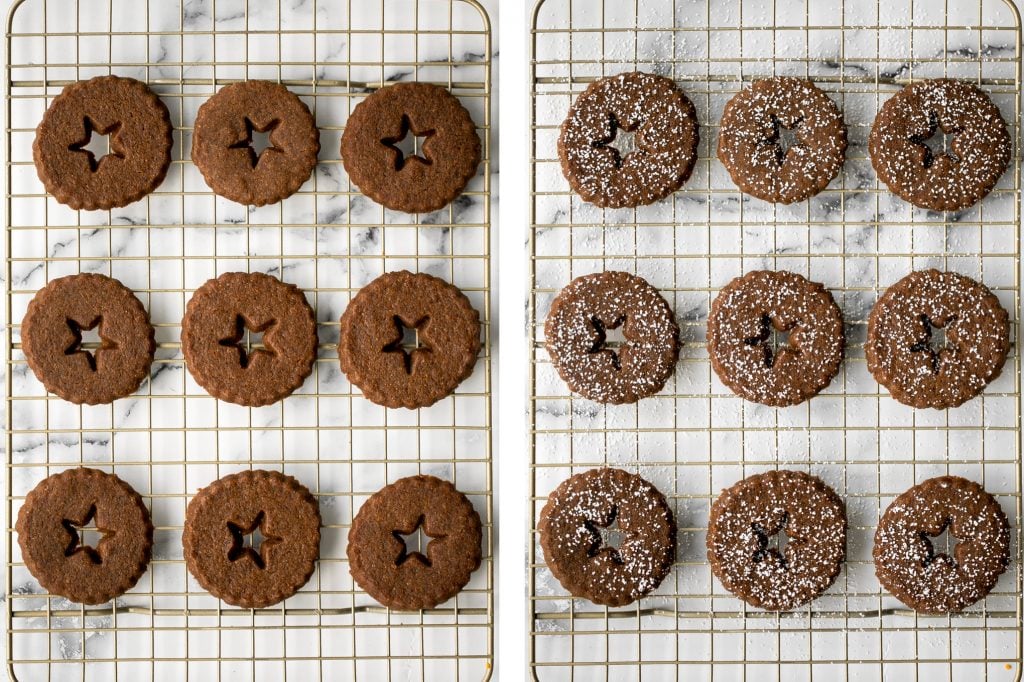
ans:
(695, 437)
(171, 438)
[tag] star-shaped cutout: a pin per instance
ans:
(620, 139)
(251, 540)
(245, 337)
(82, 533)
(415, 539)
(933, 343)
(607, 537)
(76, 345)
(941, 141)
(944, 540)
(771, 341)
(601, 343)
(113, 142)
(258, 140)
(783, 138)
(414, 145)
(771, 543)
(409, 340)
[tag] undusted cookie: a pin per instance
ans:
(140, 143)
(740, 328)
(221, 515)
(430, 179)
(371, 349)
(954, 180)
(899, 348)
(222, 152)
(570, 534)
(216, 352)
(910, 567)
(575, 337)
(745, 516)
(667, 136)
(51, 336)
(405, 578)
(749, 141)
(48, 534)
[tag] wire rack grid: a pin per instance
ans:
(171, 438)
(695, 438)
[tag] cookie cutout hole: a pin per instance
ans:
(610, 338)
(252, 541)
(86, 536)
(257, 140)
(936, 143)
(409, 147)
(415, 544)
(941, 545)
(621, 140)
(408, 340)
(248, 340)
(784, 138)
(607, 538)
(771, 544)
(98, 143)
(771, 340)
(934, 342)
(88, 340)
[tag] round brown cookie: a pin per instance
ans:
(583, 561)
(220, 358)
(978, 153)
(746, 516)
(575, 335)
(220, 538)
(51, 338)
(899, 349)
(750, 142)
(922, 576)
(390, 372)
(742, 330)
(54, 550)
(222, 142)
(405, 578)
(667, 134)
(139, 130)
(442, 166)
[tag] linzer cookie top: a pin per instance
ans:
(666, 137)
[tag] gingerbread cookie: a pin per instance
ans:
(750, 142)
(224, 362)
(222, 142)
(585, 563)
(575, 335)
(50, 525)
(139, 129)
(440, 168)
(394, 372)
(745, 517)
(667, 135)
(409, 578)
(961, 176)
(742, 334)
(902, 355)
(51, 337)
(924, 577)
(252, 538)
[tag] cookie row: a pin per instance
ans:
(216, 339)
(747, 518)
(140, 141)
(745, 324)
(760, 162)
(251, 539)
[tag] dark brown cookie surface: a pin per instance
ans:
(978, 153)
(578, 555)
(750, 144)
(927, 578)
(903, 356)
(406, 577)
(224, 362)
(442, 166)
(139, 130)
(575, 334)
(667, 134)
(394, 372)
(220, 537)
(743, 521)
(222, 142)
(51, 337)
(742, 334)
(49, 533)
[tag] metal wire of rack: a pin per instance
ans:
(695, 437)
(171, 438)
